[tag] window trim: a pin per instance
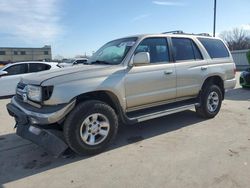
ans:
(168, 46)
(193, 44)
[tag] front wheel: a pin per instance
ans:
(210, 104)
(90, 127)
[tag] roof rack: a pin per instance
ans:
(174, 32)
(181, 32)
(204, 34)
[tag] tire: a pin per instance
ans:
(208, 107)
(90, 119)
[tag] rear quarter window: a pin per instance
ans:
(37, 67)
(215, 47)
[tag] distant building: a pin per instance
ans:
(12, 54)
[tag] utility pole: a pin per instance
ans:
(215, 4)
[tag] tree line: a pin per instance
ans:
(236, 39)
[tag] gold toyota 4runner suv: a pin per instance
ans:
(127, 80)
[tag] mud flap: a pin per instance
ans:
(49, 139)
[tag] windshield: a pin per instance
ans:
(113, 52)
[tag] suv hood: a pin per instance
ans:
(87, 70)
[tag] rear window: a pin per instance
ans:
(214, 47)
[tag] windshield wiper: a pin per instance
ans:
(101, 62)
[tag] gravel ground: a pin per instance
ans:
(180, 150)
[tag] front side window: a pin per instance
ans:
(214, 47)
(37, 67)
(17, 69)
(157, 49)
(185, 49)
(113, 52)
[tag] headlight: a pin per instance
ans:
(34, 93)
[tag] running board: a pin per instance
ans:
(162, 112)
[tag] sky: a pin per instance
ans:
(76, 27)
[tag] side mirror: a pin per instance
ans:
(2, 73)
(141, 58)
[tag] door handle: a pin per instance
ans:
(168, 72)
(204, 68)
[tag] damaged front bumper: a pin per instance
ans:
(42, 116)
(49, 139)
(29, 123)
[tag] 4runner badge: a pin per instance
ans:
(25, 99)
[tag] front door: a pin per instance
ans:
(155, 82)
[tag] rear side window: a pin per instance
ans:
(37, 67)
(214, 47)
(185, 49)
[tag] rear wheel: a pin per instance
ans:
(211, 99)
(90, 127)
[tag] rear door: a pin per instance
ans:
(155, 82)
(9, 82)
(190, 67)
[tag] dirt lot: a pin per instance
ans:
(180, 150)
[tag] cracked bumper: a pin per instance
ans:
(28, 125)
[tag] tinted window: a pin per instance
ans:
(36, 67)
(17, 69)
(185, 49)
(156, 47)
(214, 47)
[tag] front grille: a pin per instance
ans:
(20, 90)
(21, 85)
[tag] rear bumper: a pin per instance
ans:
(230, 84)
